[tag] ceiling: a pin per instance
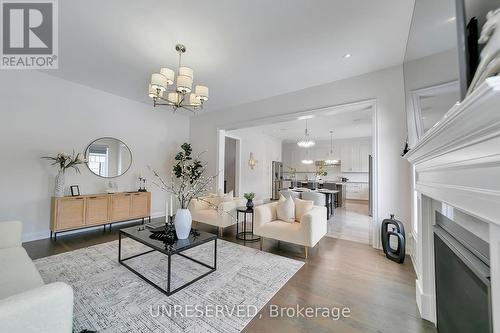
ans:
(243, 50)
(345, 122)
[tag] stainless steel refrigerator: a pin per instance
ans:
(277, 179)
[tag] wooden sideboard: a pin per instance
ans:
(70, 213)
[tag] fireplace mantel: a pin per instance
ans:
(457, 162)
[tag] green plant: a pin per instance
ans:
(321, 169)
(249, 196)
(66, 161)
(187, 177)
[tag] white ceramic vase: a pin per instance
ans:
(183, 223)
(59, 186)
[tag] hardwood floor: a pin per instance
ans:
(379, 293)
(351, 222)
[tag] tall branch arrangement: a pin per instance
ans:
(187, 180)
(66, 161)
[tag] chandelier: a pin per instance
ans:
(306, 141)
(330, 160)
(164, 89)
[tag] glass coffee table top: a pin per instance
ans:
(143, 235)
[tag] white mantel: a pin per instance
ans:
(457, 163)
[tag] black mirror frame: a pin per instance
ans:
(109, 137)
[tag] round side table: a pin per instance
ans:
(245, 235)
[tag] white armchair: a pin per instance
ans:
(308, 232)
(221, 217)
(26, 303)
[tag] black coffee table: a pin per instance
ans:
(142, 235)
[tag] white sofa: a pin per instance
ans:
(26, 303)
(308, 232)
(222, 216)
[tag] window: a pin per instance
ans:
(98, 160)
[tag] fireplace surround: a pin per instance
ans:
(455, 171)
(463, 289)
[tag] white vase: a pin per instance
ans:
(59, 186)
(183, 223)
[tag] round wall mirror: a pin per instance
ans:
(108, 157)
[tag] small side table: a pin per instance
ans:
(245, 235)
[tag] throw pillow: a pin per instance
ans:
(214, 201)
(286, 210)
(302, 207)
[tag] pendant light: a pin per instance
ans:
(330, 160)
(306, 141)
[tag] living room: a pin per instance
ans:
(117, 215)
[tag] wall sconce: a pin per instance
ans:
(252, 162)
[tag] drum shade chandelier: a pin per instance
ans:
(166, 89)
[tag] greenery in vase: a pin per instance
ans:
(249, 196)
(321, 169)
(187, 180)
(66, 161)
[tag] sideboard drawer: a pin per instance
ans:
(140, 204)
(120, 207)
(97, 210)
(70, 213)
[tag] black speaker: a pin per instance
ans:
(393, 227)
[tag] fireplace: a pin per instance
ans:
(462, 275)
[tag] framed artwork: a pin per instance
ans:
(75, 190)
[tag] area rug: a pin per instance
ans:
(110, 298)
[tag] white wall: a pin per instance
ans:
(42, 115)
(265, 149)
(385, 86)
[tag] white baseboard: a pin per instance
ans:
(33, 236)
(426, 304)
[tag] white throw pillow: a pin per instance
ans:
(214, 201)
(302, 207)
(286, 210)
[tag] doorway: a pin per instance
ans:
(359, 161)
(231, 165)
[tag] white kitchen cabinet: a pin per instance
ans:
(346, 158)
(354, 157)
(357, 191)
(364, 151)
(353, 191)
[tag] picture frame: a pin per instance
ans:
(75, 190)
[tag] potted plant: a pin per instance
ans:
(188, 181)
(64, 161)
(249, 196)
(321, 172)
